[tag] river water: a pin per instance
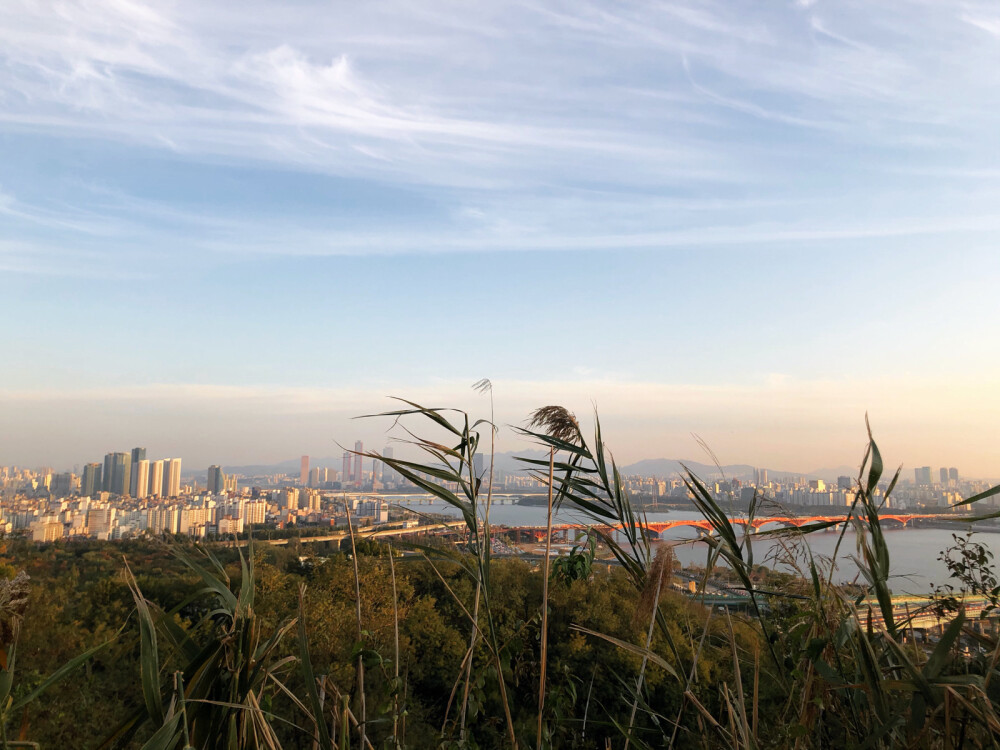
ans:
(914, 564)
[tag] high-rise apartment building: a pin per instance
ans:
(138, 454)
(358, 465)
(140, 478)
(304, 471)
(216, 479)
(121, 473)
(171, 477)
(156, 477)
(91, 482)
(388, 475)
(109, 462)
(256, 512)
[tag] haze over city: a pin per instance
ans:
(223, 235)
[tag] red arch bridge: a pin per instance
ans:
(655, 529)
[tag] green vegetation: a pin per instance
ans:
(166, 645)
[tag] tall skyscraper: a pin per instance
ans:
(109, 462)
(91, 483)
(156, 477)
(953, 474)
(140, 478)
(943, 473)
(171, 477)
(388, 475)
(345, 474)
(922, 476)
(138, 454)
(121, 473)
(358, 475)
(304, 471)
(216, 479)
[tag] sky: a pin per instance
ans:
(228, 228)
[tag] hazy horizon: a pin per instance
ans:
(226, 231)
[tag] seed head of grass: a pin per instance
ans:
(13, 602)
(556, 422)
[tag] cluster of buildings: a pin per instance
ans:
(921, 494)
(128, 495)
(198, 515)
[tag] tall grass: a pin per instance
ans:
(838, 662)
(811, 663)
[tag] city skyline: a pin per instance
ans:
(750, 222)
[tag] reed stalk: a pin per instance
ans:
(545, 600)
(361, 663)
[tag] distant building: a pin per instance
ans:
(289, 499)
(345, 474)
(256, 512)
(953, 474)
(922, 476)
(140, 478)
(109, 461)
(91, 482)
(138, 454)
(358, 464)
(304, 471)
(121, 474)
(62, 484)
(943, 473)
(216, 479)
(155, 478)
(388, 475)
(171, 477)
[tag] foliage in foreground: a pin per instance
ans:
(254, 648)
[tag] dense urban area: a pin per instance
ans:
(128, 495)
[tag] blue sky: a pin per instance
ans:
(226, 229)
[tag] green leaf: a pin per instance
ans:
(167, 736)
(149, 659)
(305, 660)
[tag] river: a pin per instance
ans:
(914, 564)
